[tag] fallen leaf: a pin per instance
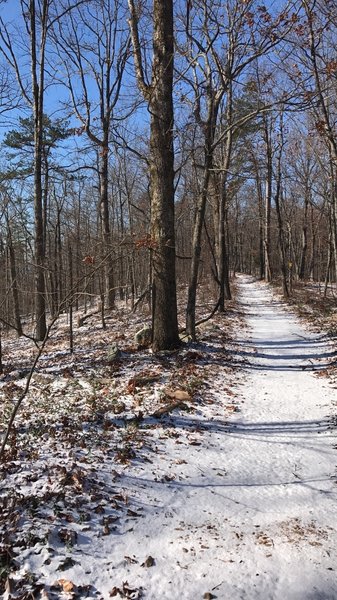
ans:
(133, 594)
(149, 562)
(66, 585)
(130, 560)
(181, 395)
(66, 563)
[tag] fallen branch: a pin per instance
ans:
(210, 315)
(164, 410)
(140, 380)
(141, 297)
(82, 320)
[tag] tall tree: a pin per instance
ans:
(158, 95)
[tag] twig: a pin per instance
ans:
(25, 391)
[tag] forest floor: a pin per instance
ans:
(205, 473)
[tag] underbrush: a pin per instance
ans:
(88, 416)
(309, 301)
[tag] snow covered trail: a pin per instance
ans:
(282, 452)
(237, 500)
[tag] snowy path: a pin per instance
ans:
(285, 463)
(237, 505)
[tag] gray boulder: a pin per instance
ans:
(143, 337)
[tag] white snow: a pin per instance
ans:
(252, 513)
(237, 499)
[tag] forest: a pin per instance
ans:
(168, 204)
(125, 169)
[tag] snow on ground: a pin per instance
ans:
(232, 495)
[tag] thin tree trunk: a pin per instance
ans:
(328, 266)
(71, 299)
(223, 270)
(225, 293)
(14, 283)
(209, 127)
(267, 205)
(38, 94)
(196, 250)
(304, 250)
(106, 231)
(281, 248)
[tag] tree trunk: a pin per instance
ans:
(160, 102)
(165, 324)
(267, 207)
(334, 222)
(304, 250)
(196, 250)
(38, 93)
(281, 247)
(225, 293)
(209, 127)
(71, 299)
(14, 284)
(106, 232)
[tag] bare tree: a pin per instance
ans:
(94, 47)
(224, 40)
(37, 20)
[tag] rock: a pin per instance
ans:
(114, 353)
(143, 337)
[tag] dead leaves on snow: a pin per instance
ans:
(298, 532)
(79, 418)
(65, 585)
(126, 592)
(263, 539)
(142, 379)
(28, 588)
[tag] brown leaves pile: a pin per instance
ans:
(126, 592)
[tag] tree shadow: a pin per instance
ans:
(310, 354)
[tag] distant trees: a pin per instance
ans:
(36, 19)
(93, 44)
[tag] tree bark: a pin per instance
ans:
(225, 293)
(196, 250)
(14, 283)
(267, 203)
(106, 230)
(38, 96)
(277, 198)
(160, 104)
